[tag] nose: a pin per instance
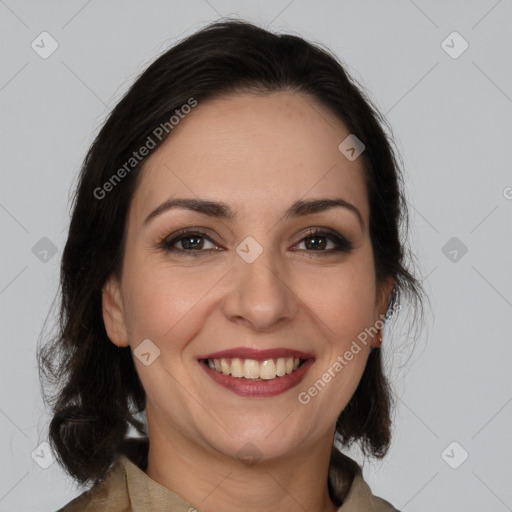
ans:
(260, 295)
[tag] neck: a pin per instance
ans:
(214, 482)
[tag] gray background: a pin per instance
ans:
(452, 120)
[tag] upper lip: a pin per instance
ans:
(258, 355)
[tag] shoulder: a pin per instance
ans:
(110, 494)
(350, 488)
(360, 497)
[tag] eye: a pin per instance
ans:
(188, 242)
(318, 241)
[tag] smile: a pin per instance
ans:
(255, 373)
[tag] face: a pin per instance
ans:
(230, 305)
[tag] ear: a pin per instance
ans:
(113, 312)
(381, 307)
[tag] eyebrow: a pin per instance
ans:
(223, 211)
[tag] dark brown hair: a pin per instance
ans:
(96, 395)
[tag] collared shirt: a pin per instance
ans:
(127, 488)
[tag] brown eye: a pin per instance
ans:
(319, 241)
(188, 241)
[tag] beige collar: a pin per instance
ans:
(146, 495)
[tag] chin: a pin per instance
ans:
(258, 442)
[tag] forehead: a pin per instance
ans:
(257, 152)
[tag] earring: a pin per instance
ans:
(379, 342)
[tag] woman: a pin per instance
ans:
(233, 254)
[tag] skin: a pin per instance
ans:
(259, 154)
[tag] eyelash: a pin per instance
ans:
(343, 245)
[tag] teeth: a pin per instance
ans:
(224, 366)
(252, 369)
(281, 367)
(268, 369)
(237, 370)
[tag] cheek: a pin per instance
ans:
(163, 302)
(343, 298)
(344, 307)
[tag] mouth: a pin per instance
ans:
(249, 372)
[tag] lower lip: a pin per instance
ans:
(259, 388)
